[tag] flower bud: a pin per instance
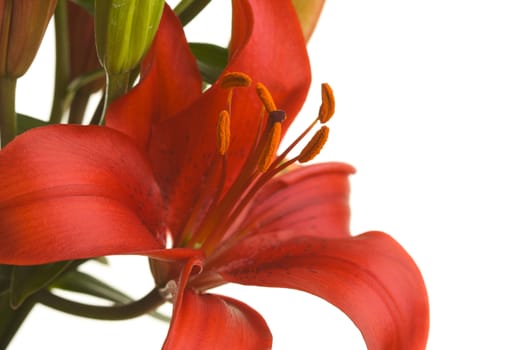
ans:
(22, 27)
(308, 12)
(83, 56)
(83, 62)
(124, 30)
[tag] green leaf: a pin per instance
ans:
(11, 319)
(80, 282)
(27, 280)
(88, 5)
(188, 9)
(101, 260)
(5, 278)
(212, 60)
(26, 122)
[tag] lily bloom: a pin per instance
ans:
(192, 179)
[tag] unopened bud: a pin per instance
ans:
(22, 27)
(308, 12)
(83, 56)
(124, 31)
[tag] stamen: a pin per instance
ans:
(271, 145)
(215, 223)
(327, 108)
(265, 97)
(223, 132)
(235, 79)
(314, 146)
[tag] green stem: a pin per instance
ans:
(7, 109)
(145, 305)
(97, 114)
(78, 94)
(62, 61)
(188, 9)
(116, 86)
(78, 107)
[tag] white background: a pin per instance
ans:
(431, 107)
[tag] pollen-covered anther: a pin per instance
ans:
(235, 79)
(266, 98)
(327, 108)
(223, 132)
(314, 146)
(271, 146)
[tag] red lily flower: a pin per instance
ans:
(166, 180)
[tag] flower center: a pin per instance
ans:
(223, 213)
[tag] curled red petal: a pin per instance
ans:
(308, 201)
(369, 277)
(215, 322)
(274, 53)
(71, 192)
(175, 264)
(170, 81)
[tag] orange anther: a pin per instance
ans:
(223, 132)
(265, 97)
(235, 79)
(327, 108)
(314, 146)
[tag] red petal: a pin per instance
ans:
(206, 321)
(308, 201)
(170, 82)
(269, 48)
(71, 192)
(176, 264)
(369, 277)
(216, 322)
(274, 52)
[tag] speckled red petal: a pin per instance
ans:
(369, 277)
(72, 192)
(214, 322)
